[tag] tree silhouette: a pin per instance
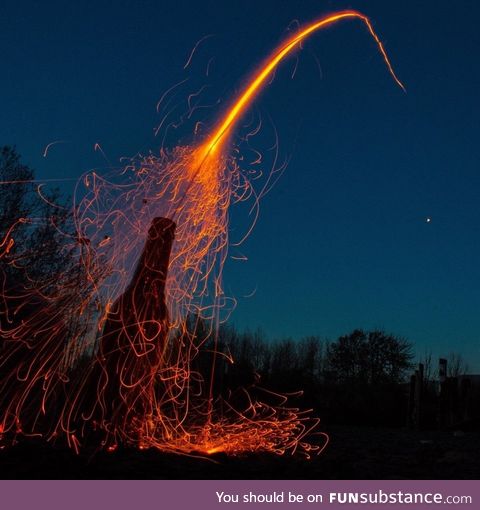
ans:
(34, 226)
(456, 365)
(370, 357)
(39, 282)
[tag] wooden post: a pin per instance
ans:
(418, 418)
(411, 402)
(415, 398)
(443, 391)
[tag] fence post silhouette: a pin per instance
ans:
(415, 401)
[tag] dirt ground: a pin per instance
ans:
(353, 453)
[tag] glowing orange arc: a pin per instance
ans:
(254, 86)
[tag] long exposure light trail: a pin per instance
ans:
(107, 352)
(258, 81)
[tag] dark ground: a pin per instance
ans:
(353, 453)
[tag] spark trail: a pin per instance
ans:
(259, 79)
(169, 404)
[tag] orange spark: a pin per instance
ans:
(45, 152)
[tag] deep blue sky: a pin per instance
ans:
(342, 240)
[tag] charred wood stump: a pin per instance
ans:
(133, 345)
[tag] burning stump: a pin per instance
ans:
(133, 344)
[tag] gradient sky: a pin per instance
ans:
(342, 240)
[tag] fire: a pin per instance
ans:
(141, 386)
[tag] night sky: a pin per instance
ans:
(343, 239)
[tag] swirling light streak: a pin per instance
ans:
(58, 388)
